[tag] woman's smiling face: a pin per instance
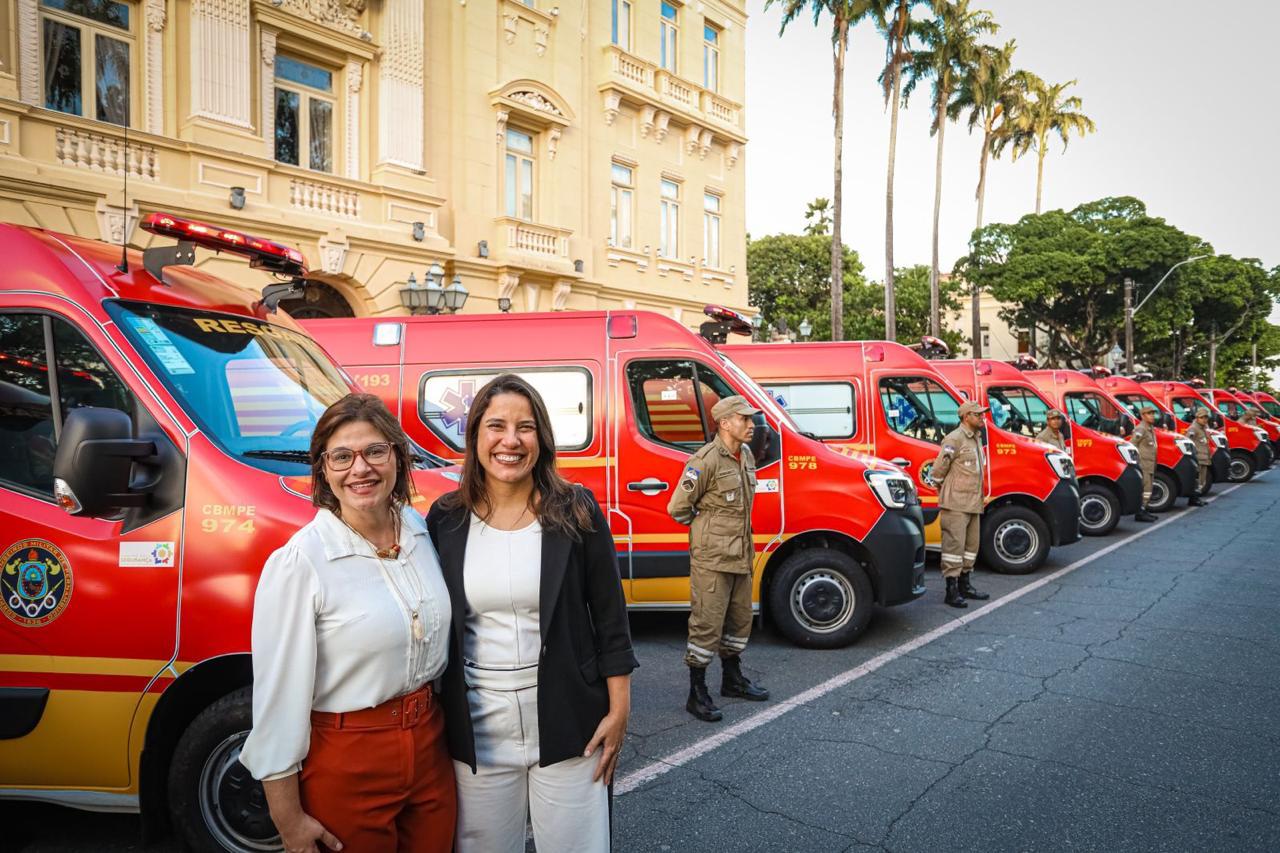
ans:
(362, 487)
(507, 442)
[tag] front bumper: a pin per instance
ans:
(896, 544)
(1186, 472)
(1221, 461)
(1063, 505)
(1129, 485)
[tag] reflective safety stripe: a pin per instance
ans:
(971, 555)
(951, 559)
(699, 653)
(733, 643)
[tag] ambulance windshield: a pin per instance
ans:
(255, 388)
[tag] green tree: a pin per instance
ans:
(913, 300)
(817, 217)
(950, 51)
(1047, 111)
(789, 281)
(845, 14)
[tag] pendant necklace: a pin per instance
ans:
(393, 552)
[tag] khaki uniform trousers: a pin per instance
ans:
(1202, 478)
(1148, 477)
(719, 615)
(959, 541)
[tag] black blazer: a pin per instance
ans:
(585, 635)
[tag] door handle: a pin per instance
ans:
(904, 463)
(648, 486)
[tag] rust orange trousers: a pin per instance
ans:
(381, 779)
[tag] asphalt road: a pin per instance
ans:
(1124, 698)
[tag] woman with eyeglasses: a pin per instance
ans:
(351, 625)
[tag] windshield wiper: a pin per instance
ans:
(290, 455)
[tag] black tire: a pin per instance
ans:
(1242, 467)
(1014, 540)
(1164, 492)
(821, 598)
(214, 804)
(1099, 509)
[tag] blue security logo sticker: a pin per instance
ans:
(36, 582)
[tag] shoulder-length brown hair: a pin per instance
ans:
(370, 410)
(554, 500)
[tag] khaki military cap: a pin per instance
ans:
(1202, 412)
(1053, 413)
(972, 409)
(735, 405)
(1149, 408)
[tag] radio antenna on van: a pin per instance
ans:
(123, 266)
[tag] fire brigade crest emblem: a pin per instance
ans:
(35, 582)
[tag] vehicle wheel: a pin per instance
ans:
(821, 598)
(1241, 470)
(1014, 540)
(1099, 509)
(214, 803)
(1164, 492)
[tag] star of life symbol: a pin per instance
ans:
(455, 403)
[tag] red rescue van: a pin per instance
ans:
(1131, 393)
(630, 395)
(880, 397)
(1234, 403)
(1268, 404)
(1087, 404)
(1249, 448)
(1106, 465)
(154, 433)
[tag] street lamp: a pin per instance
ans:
(433, 297)
(455, 295)
(756, 322)
(1129, 310)
(806, 328)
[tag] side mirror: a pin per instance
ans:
(1216, 421)
(1065, 430)
(93, 466)
(1167, 422)
(765, 442)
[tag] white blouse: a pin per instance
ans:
(330, 633)
(501, 575)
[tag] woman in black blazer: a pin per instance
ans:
(538, 687)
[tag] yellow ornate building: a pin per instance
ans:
(560, 155)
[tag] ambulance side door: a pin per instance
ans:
(90, 603)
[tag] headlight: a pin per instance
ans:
(1061, 464)
(893, 490)
(1220, 440)
(1186, 446)
(1261, 434)
(1128, 452)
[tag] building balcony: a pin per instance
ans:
(532, 245)
(643, 84)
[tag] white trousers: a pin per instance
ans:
(569, 812)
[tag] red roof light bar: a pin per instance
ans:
(261, 253)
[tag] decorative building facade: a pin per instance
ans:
(572, 156)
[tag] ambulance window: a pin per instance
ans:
(824, 409)
(1017, 410)
(1093, 411)
(445, 398)
(919, 407)
(1184, 408)
(84, 378)
(27, 437)
(668, 408)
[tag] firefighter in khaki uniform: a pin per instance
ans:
(1052, 432)
(1144, 438)
(958, 474)
(714, 498)
(1198, 432)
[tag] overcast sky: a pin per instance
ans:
(1186, 100)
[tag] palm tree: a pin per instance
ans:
(893, 19)
(994, 99)
(950, 51)
(1048, 111)
(845, 14)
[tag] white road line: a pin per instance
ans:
(653, 770)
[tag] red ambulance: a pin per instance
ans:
(1249, 448)
(1106, 465)
(882, 398)
(1131, 393)
(1268, 404)
(1234, 403)
(154, 429)
(630, 395)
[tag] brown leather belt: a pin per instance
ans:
(401, 712)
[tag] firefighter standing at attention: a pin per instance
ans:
(1144, 438)
(958, 474)
(1198, 432)
(714, 497)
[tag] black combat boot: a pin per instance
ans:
(735, 685)
(700, 704)
(1143, 515)
(954, 597)
(967, 590)
(1196, 500)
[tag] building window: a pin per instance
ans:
(711, 230)
(621, 205)
(710, 58)
(305, 109)
(670, 33)
(88, 54)
(669, 244)
(519, 175)
(621, 32)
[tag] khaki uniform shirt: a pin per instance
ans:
(1248, 418)
(714, 497)
(1200, 438)
(958, 471)
(1144, 438)
(1049, 435)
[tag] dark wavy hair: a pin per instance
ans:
(370, 410)
(556, 503)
